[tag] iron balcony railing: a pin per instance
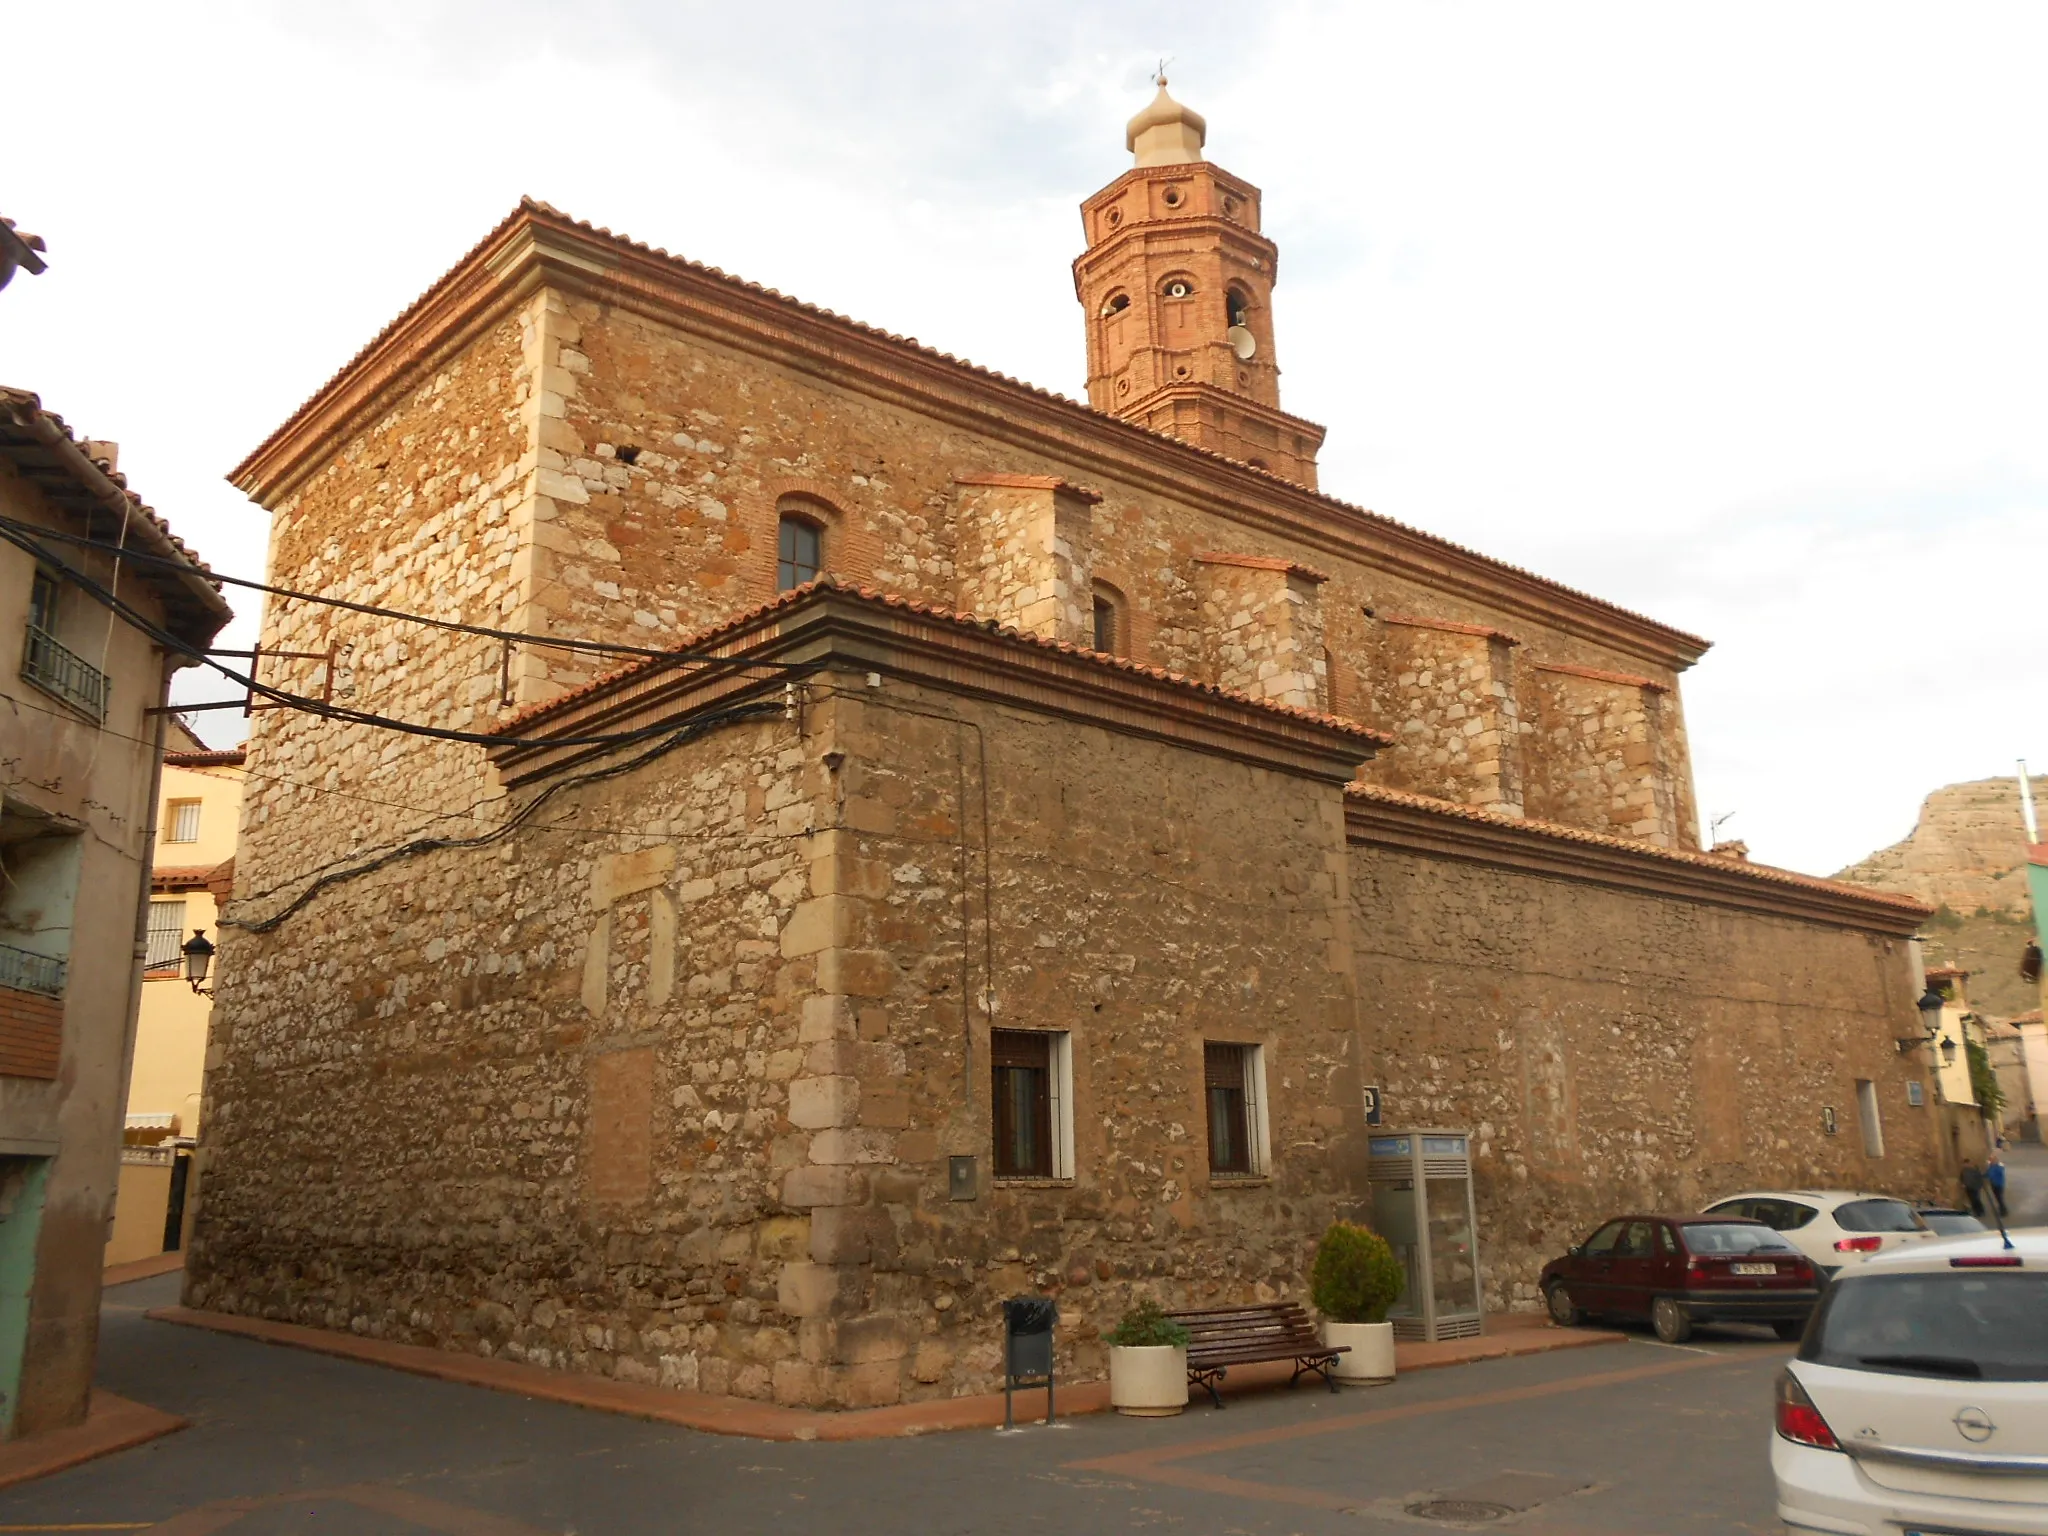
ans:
(31, 973)
(63, 672)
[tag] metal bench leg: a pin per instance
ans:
(1207, 1381)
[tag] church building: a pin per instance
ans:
(1005, 848)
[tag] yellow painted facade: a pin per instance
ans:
(198, 817)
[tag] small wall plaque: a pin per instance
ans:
(1915, 1094)
(1827, 1119)
(1371, 1097)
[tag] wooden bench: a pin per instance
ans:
(1220, 1337)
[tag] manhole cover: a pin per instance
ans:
(1474, 1510)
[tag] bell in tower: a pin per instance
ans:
(1177, 286)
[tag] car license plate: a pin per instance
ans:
(1753, 1269)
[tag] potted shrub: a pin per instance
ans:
(1355, 1279)
(1148, 1363)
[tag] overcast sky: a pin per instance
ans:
(1732, 314)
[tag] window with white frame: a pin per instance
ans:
(1234, 1094)
(166, 935)
(1032, 1083)
(181, 821)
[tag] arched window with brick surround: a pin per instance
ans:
(799, 542)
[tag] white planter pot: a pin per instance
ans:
(1151, 1382)
(1372, 1350)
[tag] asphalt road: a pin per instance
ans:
(1619, 1440)
(2026, 1185)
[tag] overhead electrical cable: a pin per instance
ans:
(331, 711)
(523, 637)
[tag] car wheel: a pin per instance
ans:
(1670, 1321)
(1791, 1333)
(1562, 1312)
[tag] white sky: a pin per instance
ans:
(1732, 314)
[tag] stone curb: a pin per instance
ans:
(111, 1424)
(141, 1269)
(721, 1415)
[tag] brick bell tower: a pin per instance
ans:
(1177, 286)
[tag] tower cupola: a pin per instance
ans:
(1176, 284)
(1166, 133)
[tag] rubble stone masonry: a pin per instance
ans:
(660, 1080)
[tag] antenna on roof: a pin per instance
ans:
(1159, 74)
(2027, 805)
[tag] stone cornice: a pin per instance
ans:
(835, 629)
(1383, 818)
(537, 246)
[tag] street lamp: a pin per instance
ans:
(198, 951)
(1948, 1051)
(1930, 1005)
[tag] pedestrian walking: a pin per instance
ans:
(1973, 1186)
(1994, 1182)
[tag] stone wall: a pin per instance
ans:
(1263, 624)
(1602, 756)
(1613, 1050)
(663, 452)
(663, 1086)
(1448, 691)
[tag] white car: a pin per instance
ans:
(1918, 1402)
(1832, 1227)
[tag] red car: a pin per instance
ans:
(1681, 1270)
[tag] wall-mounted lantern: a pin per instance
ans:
(198, 951)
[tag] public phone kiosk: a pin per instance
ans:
(1422, 1205)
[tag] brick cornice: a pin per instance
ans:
(1385, 818)
(1449, 627)
(537, 247)
(1596, 675)
(835, 628)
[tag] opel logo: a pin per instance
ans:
(1974, 1425)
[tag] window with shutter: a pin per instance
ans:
(1022, 1063)
(1225, 1079)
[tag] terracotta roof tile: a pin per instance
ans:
(1624, 679)
(1261, 563)
(1030, 483)
(529, 206)
(1449, 627)
(25, 403)
(1560, 833)
(232, 757)
(797, 595)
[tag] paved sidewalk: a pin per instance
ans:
(721, 1415)
(1636, 1439)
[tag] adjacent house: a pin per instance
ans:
(199, 805)
(87, 649)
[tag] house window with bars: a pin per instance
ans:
(166, 935)
(1033, 1090)
(1232, 1087)
(181, 821)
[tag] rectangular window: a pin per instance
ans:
(1866, 1111)
(42, 602)
(166, 935)
(1033, 1084)
(799, 553)
(181, 821)
(1105, 626)
(1233, 1087)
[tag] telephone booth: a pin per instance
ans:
(1422, 1205)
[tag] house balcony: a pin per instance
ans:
(58, 670)
(26, 972)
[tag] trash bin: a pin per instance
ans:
(1027, 1349)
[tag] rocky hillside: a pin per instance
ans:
(1967, 856)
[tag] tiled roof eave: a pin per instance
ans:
(840, 629)
(1606, 858)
